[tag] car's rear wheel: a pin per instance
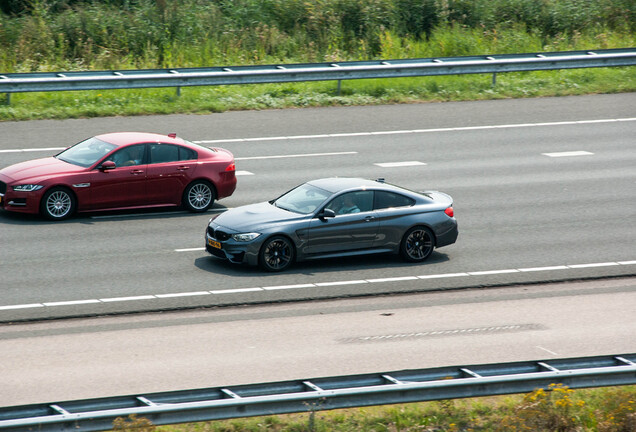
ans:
(417, 244)
(198, 196)
(57, 204)
(277, 254)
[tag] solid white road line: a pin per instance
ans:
(32, 150)
(414, 131)
(314, 285)
(185, 294)
(355, 134)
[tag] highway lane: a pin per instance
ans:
(142, 353)
(518, 208)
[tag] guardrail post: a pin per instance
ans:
(494, 79)
(178, 91)
(339, 86)
(7, 99)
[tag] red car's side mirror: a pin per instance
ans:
(107, 165)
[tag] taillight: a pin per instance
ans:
(449, 212)
(231, 167)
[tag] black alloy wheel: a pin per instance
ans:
(417, 244)
(276, 254)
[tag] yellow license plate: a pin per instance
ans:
(214, 244)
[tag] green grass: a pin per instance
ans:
(136, 34)
(611, 409)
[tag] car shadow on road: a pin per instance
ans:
(90, 218)
(320, 266)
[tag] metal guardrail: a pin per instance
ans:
(322, 394)
(182, 77)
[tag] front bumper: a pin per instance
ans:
(15, 201)
(231, 250)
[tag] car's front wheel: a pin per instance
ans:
(198, 196)
(417, 244)
(277, 254)
(57, 204)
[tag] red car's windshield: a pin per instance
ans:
(86, 153)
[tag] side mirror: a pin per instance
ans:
(107, 165)
(327, 213)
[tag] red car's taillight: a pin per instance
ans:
(231, 167)
(449, 212)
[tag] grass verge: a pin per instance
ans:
(611, 409)
(206, 100)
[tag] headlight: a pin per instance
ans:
(27, 187)
(245, 237)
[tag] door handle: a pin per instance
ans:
(136, 171)
(369, 218)
(183, 168)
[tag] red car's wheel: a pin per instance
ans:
(57, 204)
(198, 196)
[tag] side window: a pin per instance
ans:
(187, 154)
(352, 202)
(384, 199)
(160, 153)
(129, 156)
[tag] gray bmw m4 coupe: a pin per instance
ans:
(334, 217)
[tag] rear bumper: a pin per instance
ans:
(226, 184)
(449, 236)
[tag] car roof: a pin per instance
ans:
(124, 138)
(336, 184)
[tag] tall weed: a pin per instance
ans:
(40, 35)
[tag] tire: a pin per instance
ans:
(57, 204)
(417, 244)
(277, 254)
(198, 196)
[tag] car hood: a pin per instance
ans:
(38, 168)
(255, 217)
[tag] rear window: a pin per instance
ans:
(160, 153)
(384, 199)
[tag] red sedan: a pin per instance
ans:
(120, 170)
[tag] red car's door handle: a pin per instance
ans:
(137, 171)
(183, 168)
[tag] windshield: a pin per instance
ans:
(86, 153)
(303, 199)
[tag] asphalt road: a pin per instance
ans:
(529, 209)
(62, 360)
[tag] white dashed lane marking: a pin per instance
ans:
(295, 155)
(310, 285)
(568, 154)
(399, 164)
